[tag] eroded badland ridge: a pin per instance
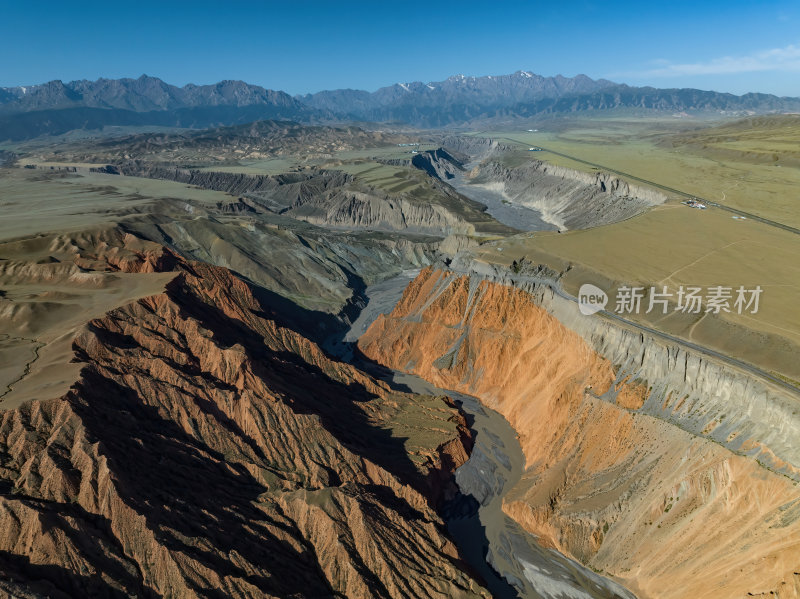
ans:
(648, 462)
(185, 412)
(205, 448)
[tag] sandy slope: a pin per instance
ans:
(667, 513)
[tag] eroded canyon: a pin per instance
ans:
(642, 468)
(360, 377)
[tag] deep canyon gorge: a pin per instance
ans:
(341, 368)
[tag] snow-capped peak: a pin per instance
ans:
(404, 86)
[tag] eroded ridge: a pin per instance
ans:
(667, 510)
(206, 450)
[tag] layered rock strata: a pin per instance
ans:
(666, 470)
(565, 197)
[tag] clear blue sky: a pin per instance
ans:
(307, 46)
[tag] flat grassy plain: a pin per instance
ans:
(34, 201)
(770, 140)
(352, 161)
(266, 166)
(748, 164)
(673, 245)
(393, 152)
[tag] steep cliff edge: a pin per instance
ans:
(567, 198)
(672, 473)
(206, 450)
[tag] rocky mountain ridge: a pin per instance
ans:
(189, 459)
(459, 99)
(500, 90)
(139, 95)
(333, 198)
(55, 107)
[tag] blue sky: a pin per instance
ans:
(307, 46)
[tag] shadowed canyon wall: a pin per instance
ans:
(568, 198)
(204, 450)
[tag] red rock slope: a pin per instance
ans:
(206, 451)
(667, 513)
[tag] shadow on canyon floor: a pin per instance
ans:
(464, 525)
(197, 502)
(460, 512)
(19, 574)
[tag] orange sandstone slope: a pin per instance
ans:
(667, 513)
(206, 451)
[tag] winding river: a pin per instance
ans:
(508, 558)
(499, 205)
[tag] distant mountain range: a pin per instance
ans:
(454, 100)
(54, 108)
(140, 95)
(459, 99)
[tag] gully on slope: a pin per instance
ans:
(507, 557)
